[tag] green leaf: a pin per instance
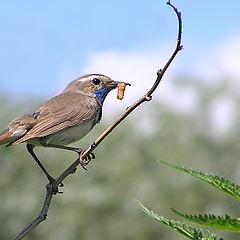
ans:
(184, 229)
(222, 222)
(219, 183)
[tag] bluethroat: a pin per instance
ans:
(64, 119)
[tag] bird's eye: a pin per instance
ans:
(96, 81)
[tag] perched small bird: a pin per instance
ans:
(64, 119)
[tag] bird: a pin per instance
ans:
(64, 119)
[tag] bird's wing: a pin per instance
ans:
(63, 111)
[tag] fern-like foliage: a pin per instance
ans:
(222, 222)
(220, 183)
(182, 228)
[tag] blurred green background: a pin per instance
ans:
(193, 120)
(100, 203)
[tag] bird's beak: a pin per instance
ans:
(114, 84)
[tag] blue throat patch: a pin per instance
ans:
(102, 93)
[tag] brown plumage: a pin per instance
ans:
(16, 129)
(61, 112)
(64, 119)
(77, 106)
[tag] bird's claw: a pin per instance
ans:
(84, 161)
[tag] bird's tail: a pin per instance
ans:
(6, 137)
(17, 129)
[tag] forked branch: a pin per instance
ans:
(51, 189)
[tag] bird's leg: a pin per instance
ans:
(79, 151)
(30, 148)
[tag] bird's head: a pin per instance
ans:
(93, 85)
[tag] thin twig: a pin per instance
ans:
(148, 95)
(178, 48)
(53, 189)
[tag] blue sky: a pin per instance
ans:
(46, 44)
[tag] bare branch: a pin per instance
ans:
(53, 188)
(148, 95)
(178, 48)
(41, 217)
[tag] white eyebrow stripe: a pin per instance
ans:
(85, 79)
(90, 77)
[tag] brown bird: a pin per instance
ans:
(64, 119)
